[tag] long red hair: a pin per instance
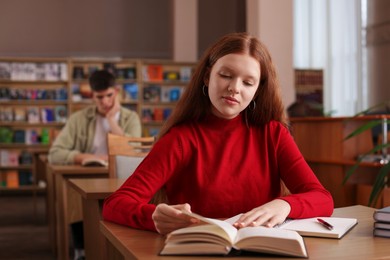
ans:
(194, 105)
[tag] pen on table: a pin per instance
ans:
(325, 224)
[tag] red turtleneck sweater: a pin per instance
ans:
(221, 168)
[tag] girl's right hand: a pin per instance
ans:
(168, 218)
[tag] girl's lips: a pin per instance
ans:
(230, 100)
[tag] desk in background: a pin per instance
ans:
(359, 243)
(93, 192)
(63, 205)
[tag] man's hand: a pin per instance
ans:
(114, 109)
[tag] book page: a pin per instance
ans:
(227, 227)
(94, 162)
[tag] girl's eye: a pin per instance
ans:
(248, 83)
(225, 76)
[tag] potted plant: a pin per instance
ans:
(378, 152)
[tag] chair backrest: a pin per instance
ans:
(126, 153)
(124, 156)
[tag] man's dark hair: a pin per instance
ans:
(101, 80)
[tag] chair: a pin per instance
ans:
(125, 154)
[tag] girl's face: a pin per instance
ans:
(233, 82)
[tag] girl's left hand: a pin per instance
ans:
(269, 215)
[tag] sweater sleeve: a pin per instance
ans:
(129, 205)
(308, 197)
(63, 149)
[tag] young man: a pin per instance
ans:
(85, 134)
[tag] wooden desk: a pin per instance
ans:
(359, 243)
(93, 192)
(58, 207)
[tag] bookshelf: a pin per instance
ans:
(33, 99)
(162, 84)
(37, 95)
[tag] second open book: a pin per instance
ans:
(220, 237)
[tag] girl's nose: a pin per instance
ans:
(234, 87)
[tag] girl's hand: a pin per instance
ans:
(168, 218)
(268, 215)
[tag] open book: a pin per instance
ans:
(217, 237)
(94, 162)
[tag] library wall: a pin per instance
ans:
(218, 17)
(46, 28)
(378, 51)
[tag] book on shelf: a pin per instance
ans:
(5, 70)
(3, 181)
(19, 114)
(9, 157)
(25, 158)
(33, 115)
(167, 112)
(19, 136)
(25, 178)
(171, 75)
(130, 91)
(12, 179)
(85, 90)
(94, 162)
(130, 73)
(217, 237)
(154, 72)
(32, 136)
(165, 94)
(382, 215)
(4, 93)
(170, 94)
(6, 114)
(158, 114)
(110, 67)
(76, 95)
(152, 93)
(78, 73)
(185, 73)
(47, 115)
(60, 114)
(6, 135)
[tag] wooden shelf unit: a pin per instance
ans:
(31, 90)
(321, 142)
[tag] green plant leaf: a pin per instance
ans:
(363, 128)
(379, 184)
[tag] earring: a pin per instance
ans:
(204, 90)
(254, 105)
